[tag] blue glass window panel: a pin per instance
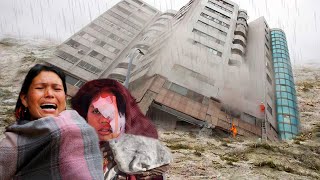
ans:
(288, 136)
(285, 102)
(282, 81)
(282, 136)
(288, 82)
(280, 127)
(290, 96)
(280, 117)
(294, 121)
(292, 111)
(294, 129)
(284, 94)
(287, 127)
(286, 119)
(278, 87)
(281, 75)
(279, 102)
(286, 70)
(279, 109)
(278, 94)
(290, 103)
(287, 76)
(285, 110)
(283, 88)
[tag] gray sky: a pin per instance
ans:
(59, 19)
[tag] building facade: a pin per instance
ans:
(95, 49)
(287, 109)
(201, 67)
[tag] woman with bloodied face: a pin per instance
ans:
(128, 139)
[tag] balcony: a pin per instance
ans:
(241, 30)
(238, 39)
(237, 49)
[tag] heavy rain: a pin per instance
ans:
(227, 98)
(59, 19)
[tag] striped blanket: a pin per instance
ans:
(63, 147)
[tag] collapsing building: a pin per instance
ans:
(203, 65)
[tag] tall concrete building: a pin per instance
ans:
(203, 66)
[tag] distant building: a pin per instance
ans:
(202, 66)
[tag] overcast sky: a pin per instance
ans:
(59, 19)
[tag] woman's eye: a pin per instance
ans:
(96, 111)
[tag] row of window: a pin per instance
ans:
(123, 10)
(82, 49)
(287, 128)
(121, 29)
(100, 43)
(283, 70)
(130, 5)
(109, 34)
(225, 3)
(184, 91)
(279, 39)
(284, 76)
(285, 88)
(281, 61)
(200, 33)
(89, 67)
(74, 81)
(286, 135)
(284, 82)
(286, 95)
(209, 49)
(217, 13)
(279, 47)
(215, 20)
(221, 7)
(286, 102)
(279, 50)
(99, 29)
(120, 18)
(280, 55)
(285, 110)
(278, 35)
(282, 43)
(287, 119)
(99, 56)
(66, 56)
(212, 27)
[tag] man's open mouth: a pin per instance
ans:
(48, 106)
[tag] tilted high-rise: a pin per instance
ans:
(203, 65)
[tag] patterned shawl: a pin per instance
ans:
(63, 147)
